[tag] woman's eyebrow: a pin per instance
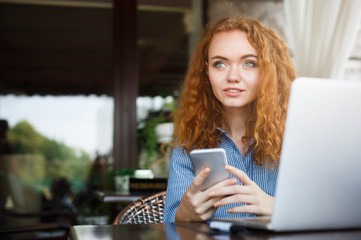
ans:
(249, 55)
(242, 57)
(219, 57)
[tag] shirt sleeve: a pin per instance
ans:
(180, 177)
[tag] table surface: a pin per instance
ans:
(189, 231)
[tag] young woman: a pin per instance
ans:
(235, 97)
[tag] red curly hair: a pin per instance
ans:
(200, 113)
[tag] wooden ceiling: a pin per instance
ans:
(65, 49)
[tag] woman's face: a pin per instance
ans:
(233, 69)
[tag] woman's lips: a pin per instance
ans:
(233, 92)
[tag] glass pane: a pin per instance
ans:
(56, 55)
(155, 129)
(55, 150)
(165, 34)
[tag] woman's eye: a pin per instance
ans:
(219, 64)
(249, 64)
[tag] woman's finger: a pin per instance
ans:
(239, 198)
(221, 185)
(244, 209)
(242, 176)
(199, 180)
(230, 190)
(207, 206)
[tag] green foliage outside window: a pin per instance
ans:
(59, 160)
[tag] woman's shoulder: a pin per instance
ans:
(179, 154)
(180, 160)
(179, 150)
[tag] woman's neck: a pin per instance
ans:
(236, 129)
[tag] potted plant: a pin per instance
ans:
(155, 131)
(121, 178)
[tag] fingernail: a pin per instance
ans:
(211, 194)
(233, 181)
(216, 204)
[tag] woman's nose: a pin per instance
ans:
(234, 74)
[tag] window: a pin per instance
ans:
(56, 138)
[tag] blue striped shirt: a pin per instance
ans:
(181, 175)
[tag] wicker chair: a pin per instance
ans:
(143, 211)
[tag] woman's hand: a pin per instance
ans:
(257, 201)
(197, 205)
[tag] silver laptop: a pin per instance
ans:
(319, 181)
